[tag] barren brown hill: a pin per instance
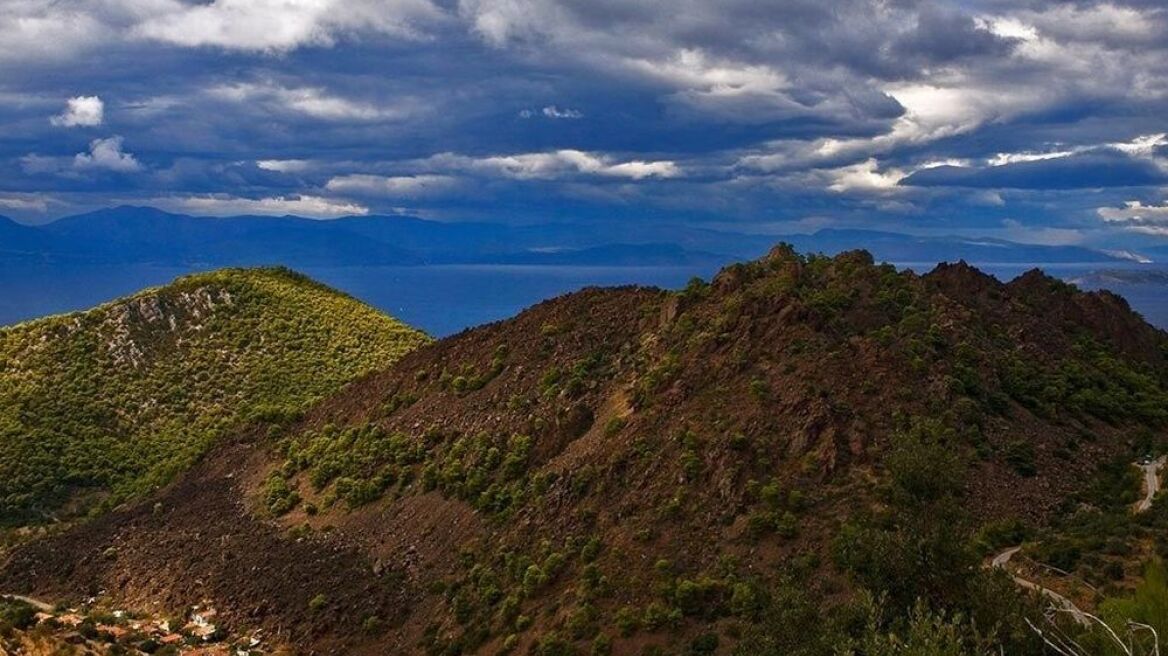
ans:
(727, 469)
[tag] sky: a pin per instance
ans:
(1030, 120)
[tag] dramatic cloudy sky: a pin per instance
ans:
(1036, 120)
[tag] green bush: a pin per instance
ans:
(278, 496)
(317, 603)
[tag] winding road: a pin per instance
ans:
(1062, 603)
(35, 603)
(1151, 482)
(1152, 485)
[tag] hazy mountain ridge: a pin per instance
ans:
(631, 470)
(147, 235)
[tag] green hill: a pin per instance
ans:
(99, 406)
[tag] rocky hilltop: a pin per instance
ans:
(100, 406)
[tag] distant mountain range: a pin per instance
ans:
(1112, 277)
(136, 235)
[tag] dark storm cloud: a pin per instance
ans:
(738, 111)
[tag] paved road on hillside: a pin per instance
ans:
(1151, 489)
(35, 603)
(1001, 560)
(1151, 483)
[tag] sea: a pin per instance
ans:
(443, 300)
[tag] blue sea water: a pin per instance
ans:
(441, 300)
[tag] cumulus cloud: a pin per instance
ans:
(81, 111)
(555, 164)
(224, 205)
(107, 154)
(407, 186)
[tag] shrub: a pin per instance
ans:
(658, 616)
(16, 614)
(707, 643)
(317, 603)
(759, 389)
(614, 426)
(278, 497)
(1019, 454)
(602, 645)
(627, 621)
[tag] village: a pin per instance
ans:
(29, 626)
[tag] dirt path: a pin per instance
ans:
(35, 603)
(1151, 483)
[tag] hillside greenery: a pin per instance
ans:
(103, 405)
(909, 551)
(804, 456)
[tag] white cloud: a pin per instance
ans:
(38, 30)
(1138, 217)
(24, 203)
(309, 101)
(935, 111)
(555, 164)
(283, 25)
(1144, 146)
(34, 164)
(35, 30)
(551, 111)
(1098, 22)
(865, 176)
(638, 170)
(81, 111)
(1008, 27)
(694, 69)
(284, 165)
(407, 186)
(931, 112)
(220, 205)
(107, 154)
(1001, 159)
